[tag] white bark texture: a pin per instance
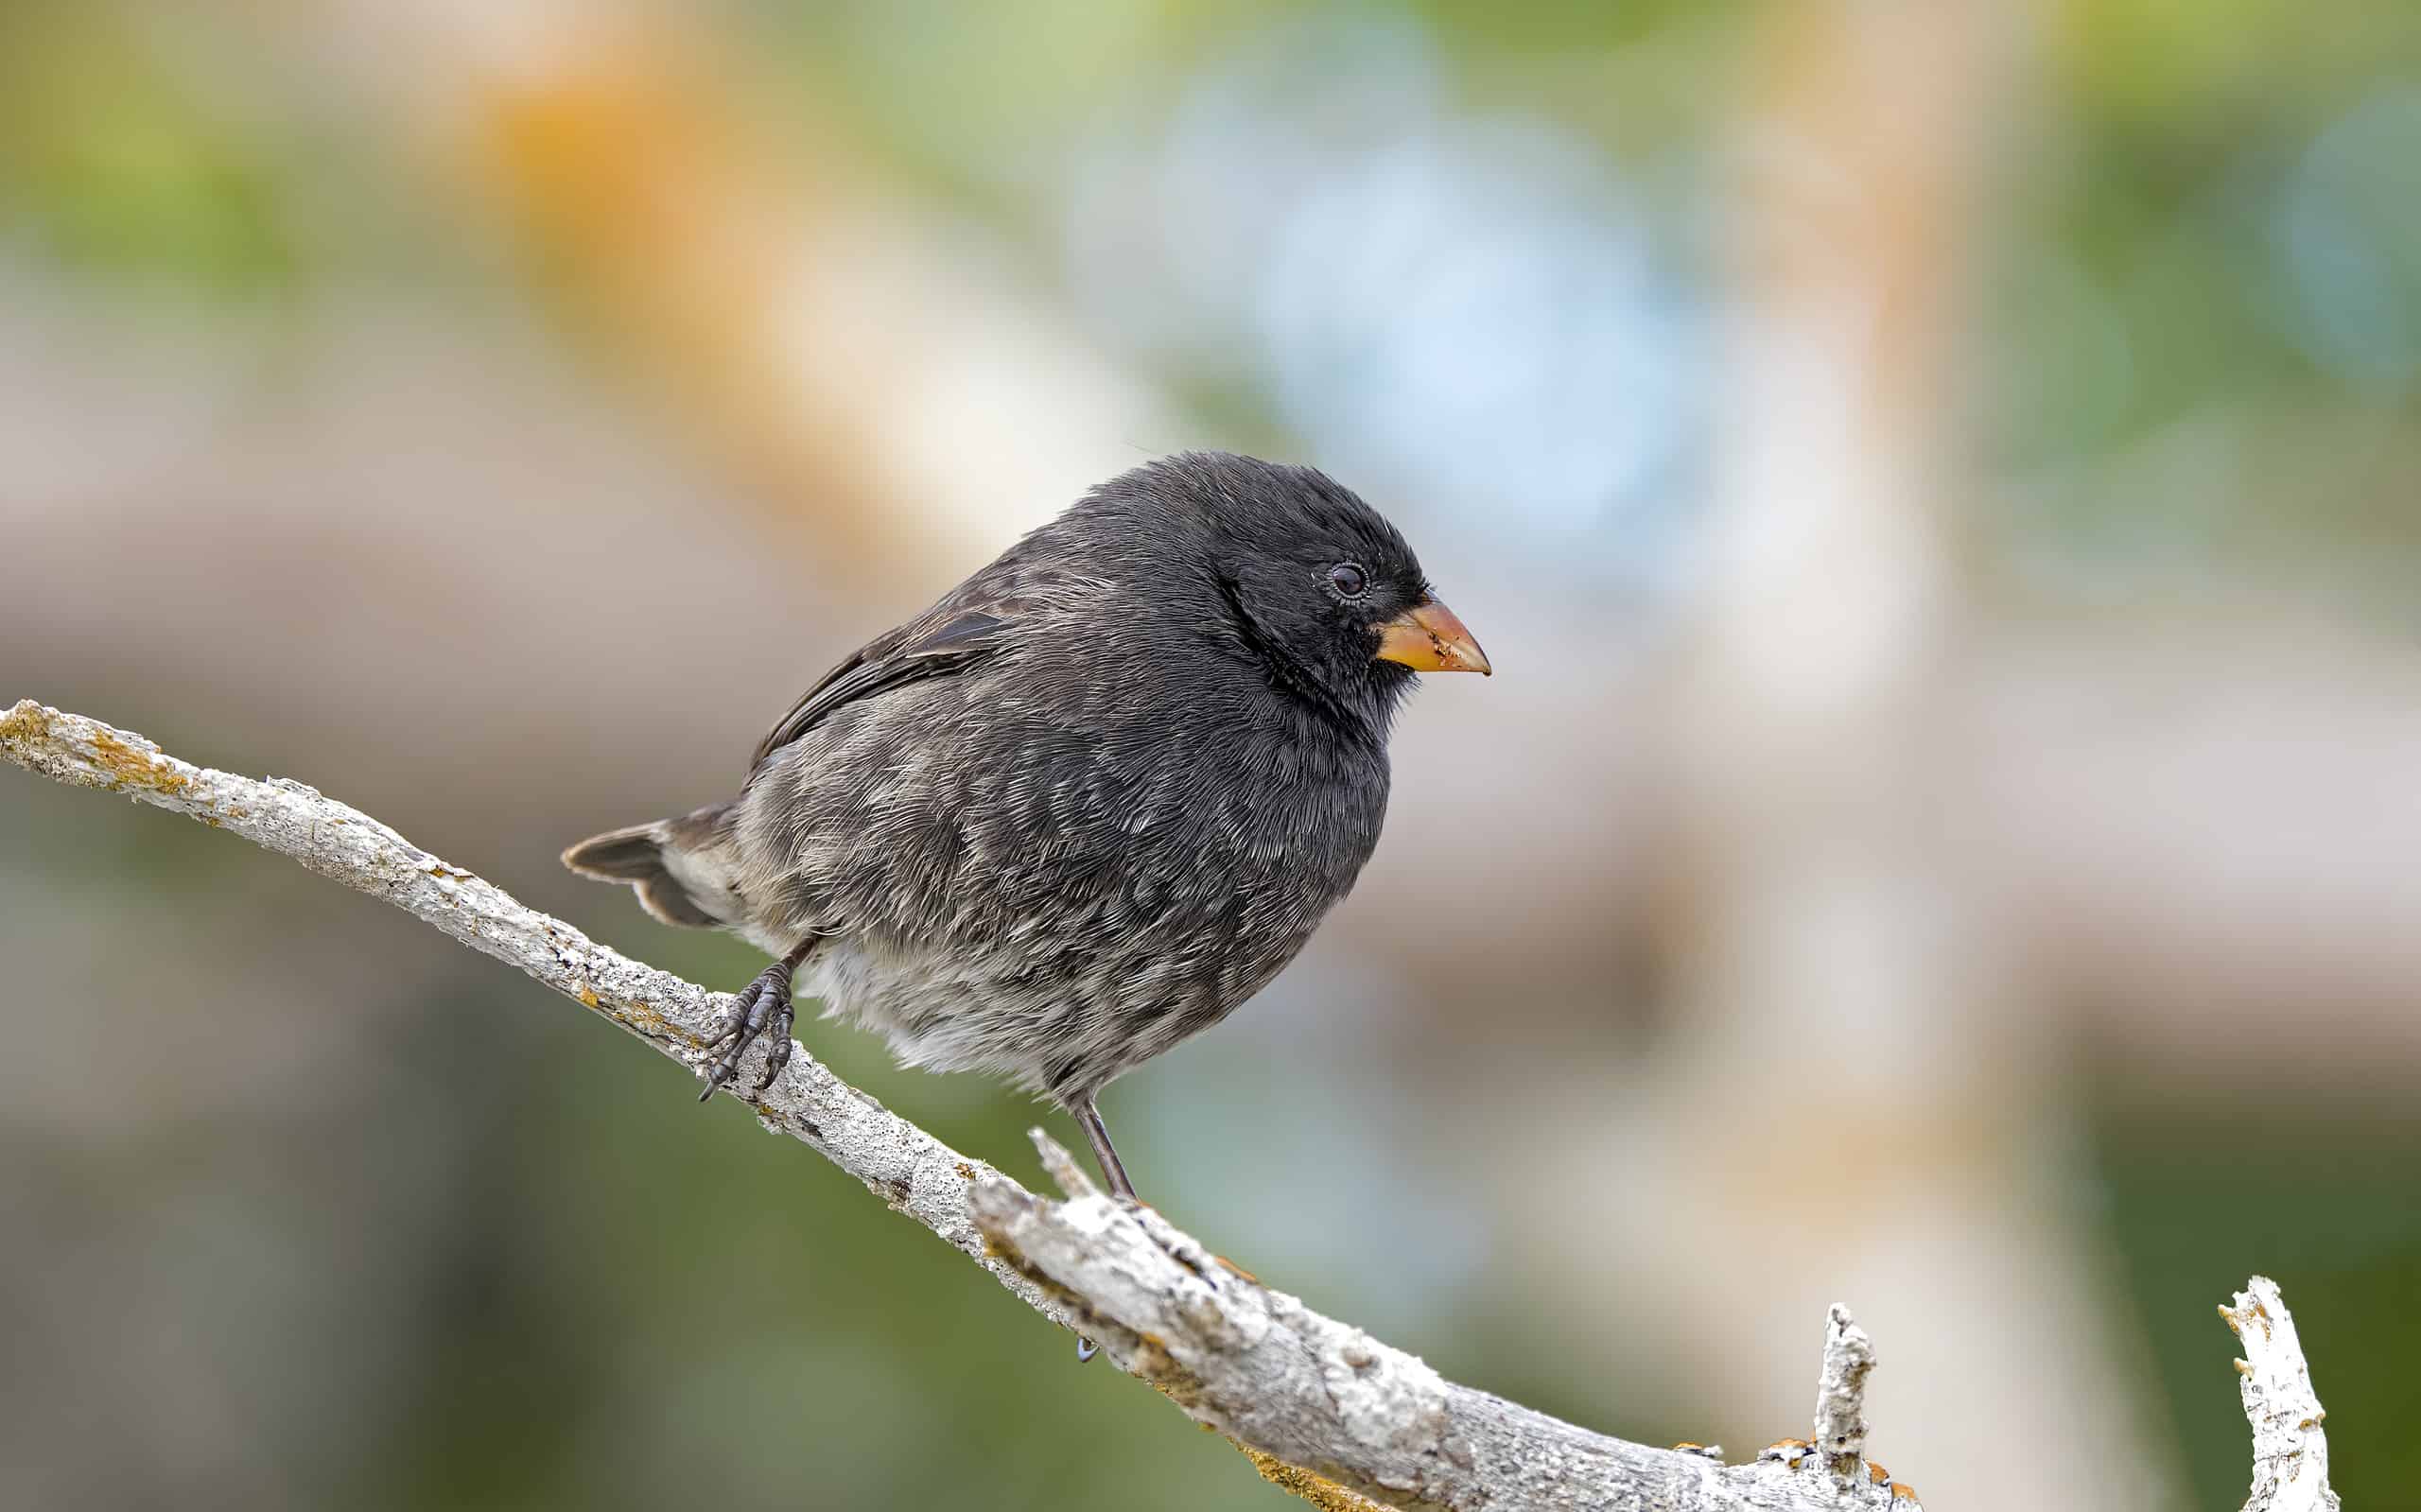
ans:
(1285, 1382)
(2290, 1447)
(1253, 1362)
(1840, 1392)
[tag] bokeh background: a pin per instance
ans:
(1938, 480)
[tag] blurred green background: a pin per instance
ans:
(1939, 482)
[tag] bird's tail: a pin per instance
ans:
(676, 865)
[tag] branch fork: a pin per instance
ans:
(1322, 1409)
(2290, 1447)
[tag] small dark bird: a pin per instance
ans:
(1087, 804)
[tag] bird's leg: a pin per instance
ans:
(1114, 1172)
(1105, 1153)
(763, 1007)
(1179, 1247)
(1185, 1251)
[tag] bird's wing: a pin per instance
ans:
(959, 633)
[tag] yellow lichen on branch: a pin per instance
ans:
(1318, 1491)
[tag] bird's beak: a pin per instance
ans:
(1428, 638)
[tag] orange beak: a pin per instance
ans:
(1428, 638)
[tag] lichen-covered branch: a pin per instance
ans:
(1298, 1391)
(907, 1168)
(1841, 1394)
(2289, 1449)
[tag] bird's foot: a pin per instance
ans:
(762, 1007)
(1178, 1244)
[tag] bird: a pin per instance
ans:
(1084, 806)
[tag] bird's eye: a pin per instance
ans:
(1349, 580)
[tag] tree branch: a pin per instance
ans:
(1324, 1410)
(2289, 1449)
(1841, 1394)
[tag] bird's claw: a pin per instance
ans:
(763, 1007)
(1178, 1244)
(1174, 1242)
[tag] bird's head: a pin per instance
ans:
(1303, 576)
